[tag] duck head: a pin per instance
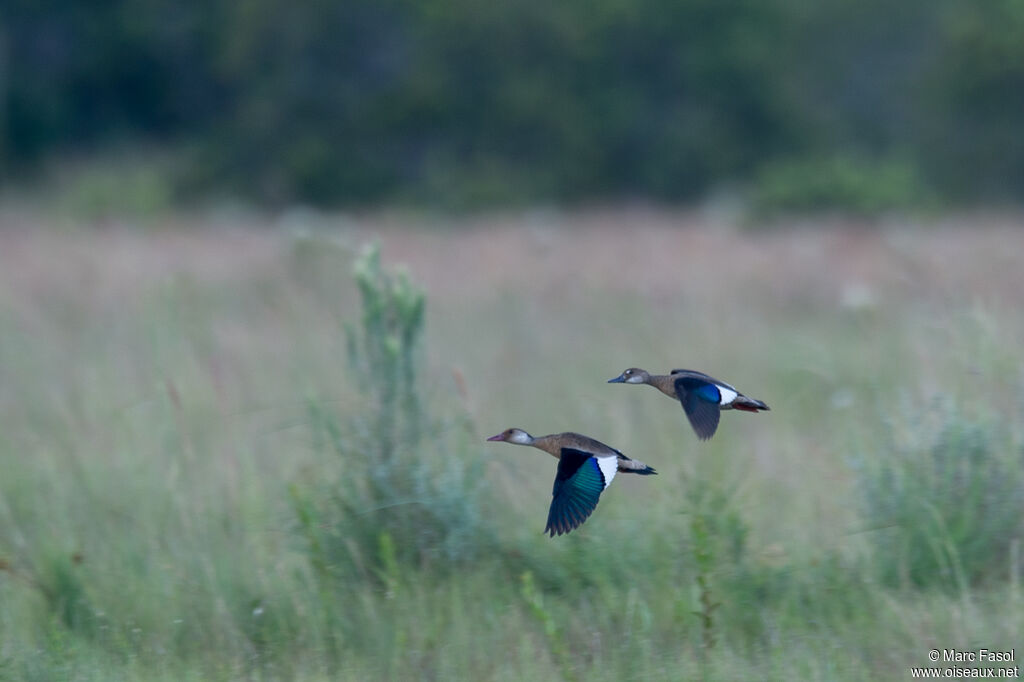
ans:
(633, 375)
(516, 436)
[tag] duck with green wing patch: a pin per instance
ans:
(586, 468)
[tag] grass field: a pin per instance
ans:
(200, 479)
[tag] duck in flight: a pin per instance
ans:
(585, 468)
(702, 397)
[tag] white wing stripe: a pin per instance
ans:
(609, 465)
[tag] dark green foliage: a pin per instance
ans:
(464, 104)
(973, 145)
(467, 103)
(946, 509)
(849, 182)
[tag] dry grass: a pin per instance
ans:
(652, 253)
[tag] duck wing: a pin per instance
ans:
(701, 375)
(701, 400)
(580, 480)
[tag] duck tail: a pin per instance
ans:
(746, 404)
(632, 466)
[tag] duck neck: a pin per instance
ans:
(664, 383)
(548, 445)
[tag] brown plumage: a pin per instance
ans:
(554, 443)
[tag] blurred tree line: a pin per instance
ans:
(466, 102)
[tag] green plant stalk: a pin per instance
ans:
(552, 633)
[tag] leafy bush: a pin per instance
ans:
(405, 483)
(136, 187)
(840, 182)
(946, 509)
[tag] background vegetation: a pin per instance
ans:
(232, 454)
(467, 104)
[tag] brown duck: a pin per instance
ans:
(585, 468)
(702, 397)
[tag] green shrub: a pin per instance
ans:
(403, 483)
(138, 186)
(946, 508)
(845, 183)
